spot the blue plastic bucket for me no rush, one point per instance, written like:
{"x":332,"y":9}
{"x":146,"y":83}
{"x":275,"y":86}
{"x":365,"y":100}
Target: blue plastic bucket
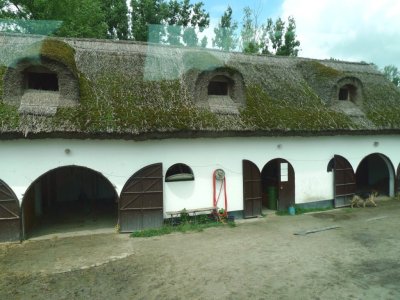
{"x":292,"y":210}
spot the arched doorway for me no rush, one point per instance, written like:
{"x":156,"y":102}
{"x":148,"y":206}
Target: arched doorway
{"x":141,"y":201}
{"x":70,"y":198}
{"x":10,"y":223}
{"x":278,"y":183}
{"x":376,"y":172}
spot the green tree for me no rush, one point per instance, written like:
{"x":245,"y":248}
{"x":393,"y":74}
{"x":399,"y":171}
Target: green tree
{"x":392,"y":73}
{"x":270,"y":38}
{"x":80,"y":18}
{"x":174,"y":22}
{"x":225,"y":34}
{"x":250,"y":32}
{"x":116,"y":17}
{"x":204,"y":42}
{"x":145,"y":13}
{"x":290,"y":45}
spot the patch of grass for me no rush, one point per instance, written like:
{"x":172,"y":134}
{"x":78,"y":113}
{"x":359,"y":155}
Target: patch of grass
{"x":301,"y":210}
{"x":282,"y":213}
{"x":308,"y":113}
{"x":321,"y":70}
{"x":153,"y":232}
{"x":183,"y":228}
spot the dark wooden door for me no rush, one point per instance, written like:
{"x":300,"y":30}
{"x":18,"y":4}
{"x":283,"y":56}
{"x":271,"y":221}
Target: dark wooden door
{"x":286,"y":184}
{"x":344,"y":181}
{"x":252,"y":197}
{"x":10,"y":223}
{"x":141,"y":201}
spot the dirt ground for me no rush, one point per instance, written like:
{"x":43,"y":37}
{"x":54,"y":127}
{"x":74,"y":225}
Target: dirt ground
{"x":258,"y":259}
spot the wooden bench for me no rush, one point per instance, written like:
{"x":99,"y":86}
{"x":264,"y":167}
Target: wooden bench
{"x":190,"y":212}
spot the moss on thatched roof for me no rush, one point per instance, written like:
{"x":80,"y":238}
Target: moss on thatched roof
{"x":136,"y":90}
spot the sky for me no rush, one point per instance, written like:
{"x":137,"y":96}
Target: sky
{"x":351,"y":30}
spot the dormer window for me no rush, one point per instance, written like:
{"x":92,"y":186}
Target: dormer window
{"x":218,"y":86}
{"x":347,"y":92}
{"x":41,"y":79}
{"x":220,"y":90}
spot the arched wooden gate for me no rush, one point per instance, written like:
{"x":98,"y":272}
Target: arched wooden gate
{"x":10,"y":223}
{"x":141,"y":201}
{"x":344,"y":181}
{"x":252,"y":198}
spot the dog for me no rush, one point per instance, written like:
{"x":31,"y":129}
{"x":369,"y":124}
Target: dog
{"x":365,"y":198}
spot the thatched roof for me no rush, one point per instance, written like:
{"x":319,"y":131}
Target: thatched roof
{"x":134,"y":90}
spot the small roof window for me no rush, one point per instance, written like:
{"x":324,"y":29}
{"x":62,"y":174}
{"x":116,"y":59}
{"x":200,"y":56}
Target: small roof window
{"x":179,"y":172}
{"x":41,"y":81}
{"x":219,"y":86}
{"x":347,"y":92}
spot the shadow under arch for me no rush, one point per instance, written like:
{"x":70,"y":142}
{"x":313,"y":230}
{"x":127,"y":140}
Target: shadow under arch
{"x":376,"y":172}
{"x":69,"y":198}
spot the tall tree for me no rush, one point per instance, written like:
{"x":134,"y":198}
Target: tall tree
{"x":269,"y":38}
{"x":174,"y":22}
{"x":80,"y":18}
{"x":225,"y":34}
{"x":392,"y":73}
{"x":116,"y":17}
{"x":144,"y":13}
{"x":284,"y":44}
{"x":250,"y":32}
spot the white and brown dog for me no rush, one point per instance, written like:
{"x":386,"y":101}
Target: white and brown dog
{"x":365,"y":198}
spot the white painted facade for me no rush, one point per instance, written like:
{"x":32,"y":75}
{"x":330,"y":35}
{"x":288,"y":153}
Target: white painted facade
{"x":24,"y":161}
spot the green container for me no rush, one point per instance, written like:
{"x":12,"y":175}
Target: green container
{"x":272,"y":197}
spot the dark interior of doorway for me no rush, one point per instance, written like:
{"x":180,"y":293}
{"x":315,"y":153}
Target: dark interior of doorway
{"x":373,"y":174}
{"x":270,"y":184}
{"x":69,"y":199}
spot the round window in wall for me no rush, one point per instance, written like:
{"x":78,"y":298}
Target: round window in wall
{"x":179,"y":172}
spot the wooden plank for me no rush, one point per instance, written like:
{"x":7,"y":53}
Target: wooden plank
{"x":196,"y":210}
{"x":144,"y":192}
{"x":141,"y":208}
{"x":305,"y":232}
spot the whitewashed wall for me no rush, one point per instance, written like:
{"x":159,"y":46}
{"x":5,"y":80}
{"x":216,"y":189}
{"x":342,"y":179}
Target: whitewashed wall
{"x":23,"y":161}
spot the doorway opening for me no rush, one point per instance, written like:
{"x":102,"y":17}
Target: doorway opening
{"x":376,"y":172}
{"x":278,"y":184}
{"x":69,"y":199}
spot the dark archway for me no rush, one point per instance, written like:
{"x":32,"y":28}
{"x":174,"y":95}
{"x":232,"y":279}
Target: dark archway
{"x":278,"y":184}
{"x":376,"y":172}
{"x":10,"y":223}
{"x":69,"y":198}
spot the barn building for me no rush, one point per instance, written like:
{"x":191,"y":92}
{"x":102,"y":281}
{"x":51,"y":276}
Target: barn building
{"x":125,"y":132}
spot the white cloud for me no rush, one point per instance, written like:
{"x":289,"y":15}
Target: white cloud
{"x":367,"y":30}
